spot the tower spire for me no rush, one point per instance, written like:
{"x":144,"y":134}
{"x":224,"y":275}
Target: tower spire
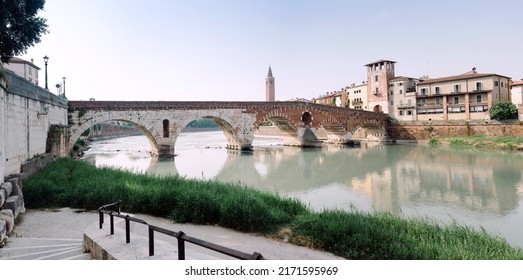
{"x":269,"y":86}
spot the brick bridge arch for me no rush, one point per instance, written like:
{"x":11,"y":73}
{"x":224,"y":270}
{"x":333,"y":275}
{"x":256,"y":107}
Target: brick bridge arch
{"x":162,"y":121}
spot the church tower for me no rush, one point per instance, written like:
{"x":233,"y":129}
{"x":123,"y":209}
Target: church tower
{"x":269,"y":87}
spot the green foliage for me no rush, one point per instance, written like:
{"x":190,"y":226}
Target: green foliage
{"x":21,"y":27}
{"x":434,"y":142}
{"x":354,"y":235}
{"x":181,"y":199}
{"x":503,"y":110}
{"x":202,"y":123}
{"x":358,"y":235}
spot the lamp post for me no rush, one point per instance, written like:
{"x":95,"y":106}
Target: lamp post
{"x":63,"y":89}
{"x":46,"y":59}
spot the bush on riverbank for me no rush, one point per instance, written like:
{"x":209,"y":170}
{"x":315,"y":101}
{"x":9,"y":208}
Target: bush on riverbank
{"x":483,"y":142}
{"x":354,"y":235}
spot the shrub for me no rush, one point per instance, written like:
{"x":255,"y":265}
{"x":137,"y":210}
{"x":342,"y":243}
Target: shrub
{"x":503,"y":110}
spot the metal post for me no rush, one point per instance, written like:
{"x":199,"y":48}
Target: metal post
{"x":101,"y":218}
{"x":63,"y":93}
{"x":127,"y":229}
{"x":112,"y":222}
{"x":181,"y":245}
{"x":151,"y":242}
{"x":46,"y":59}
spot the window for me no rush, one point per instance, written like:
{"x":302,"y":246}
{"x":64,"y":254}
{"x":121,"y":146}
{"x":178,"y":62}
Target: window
{"x":502,"y":84}
{"x":478,"y":98}
{"x":437,"y":90}
{"x":401,"y":91}
{"x":423,"y":91}
{"x":456,"y":99}
{"x":401,"y":113}
{"x":376,"y":78}
{"x":456,"y":88}
{"x":166,"y":128}
{"x":392,"y":103}
{"x":401,"y":84}
{"x":391,"y":92}
{"x":496,"y":83}
{"x":438,"y":100}
{"x":409,"y":113}
{"x":478,"y":86}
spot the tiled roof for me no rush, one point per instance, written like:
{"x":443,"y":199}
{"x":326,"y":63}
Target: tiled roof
{"x":380,"y":61}
{"x":402,"y":78}
{"x":517,"y":83}
{"x":458,"y":77}
{"x":18,"y":60}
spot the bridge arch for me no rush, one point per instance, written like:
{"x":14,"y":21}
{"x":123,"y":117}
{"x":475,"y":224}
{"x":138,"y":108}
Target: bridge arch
{"x":148,"y":130}
{"x":233,"y":131}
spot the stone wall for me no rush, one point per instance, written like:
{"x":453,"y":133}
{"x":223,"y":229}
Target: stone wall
{"x":28,"y":113}
{"x":29,"y":116}
{"x":426,"y":131}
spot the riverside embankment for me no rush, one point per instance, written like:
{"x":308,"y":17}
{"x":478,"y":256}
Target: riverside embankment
{"x":353,"y":235}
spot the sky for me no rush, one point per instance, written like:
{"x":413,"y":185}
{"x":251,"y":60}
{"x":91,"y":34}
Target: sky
{"x":209,"y":50}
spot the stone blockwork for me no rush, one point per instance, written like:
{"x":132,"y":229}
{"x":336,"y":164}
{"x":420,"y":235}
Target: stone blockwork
{"x":426,"y":131}
{"x":162,"y":122}
{"x":11,"y":205}
{"x":27,"y":113}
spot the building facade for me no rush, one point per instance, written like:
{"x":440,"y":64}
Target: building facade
{"x":270,"y":89}
{"x":464,"y":97}
{"x":516,"y":93}
{"x":402,"y":98}
{"x":357,"y":97}
{"x":23,"y":68}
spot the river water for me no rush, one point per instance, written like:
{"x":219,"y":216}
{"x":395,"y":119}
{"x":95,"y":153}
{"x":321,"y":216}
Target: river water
{"x":477,"y":188}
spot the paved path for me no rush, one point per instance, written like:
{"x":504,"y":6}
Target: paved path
{"x":62,"y":230}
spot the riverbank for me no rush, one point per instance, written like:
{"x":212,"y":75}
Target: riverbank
{"x":353,"y":235}
{"x":481,"y":142}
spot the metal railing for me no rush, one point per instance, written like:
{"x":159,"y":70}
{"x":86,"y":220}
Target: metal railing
{"x":180,"y":236}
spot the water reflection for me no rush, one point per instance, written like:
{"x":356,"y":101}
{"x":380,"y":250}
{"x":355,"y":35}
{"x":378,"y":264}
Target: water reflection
{"x":476,"y":188}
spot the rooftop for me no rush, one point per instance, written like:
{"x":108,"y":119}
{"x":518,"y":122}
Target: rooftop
{"x":17,"y":60}
{"x":379,"y":62}
{"x":468,"y":75}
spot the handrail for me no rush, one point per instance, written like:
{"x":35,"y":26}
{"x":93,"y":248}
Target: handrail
{"x":180,"y":236}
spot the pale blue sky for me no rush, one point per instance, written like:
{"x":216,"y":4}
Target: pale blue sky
{"x":221,"y":50}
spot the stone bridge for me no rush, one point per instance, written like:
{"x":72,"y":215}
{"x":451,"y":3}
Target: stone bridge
{"x":163,"y":121}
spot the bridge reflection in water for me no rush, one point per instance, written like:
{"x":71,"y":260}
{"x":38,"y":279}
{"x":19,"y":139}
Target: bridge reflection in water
{"x":476,"y":188}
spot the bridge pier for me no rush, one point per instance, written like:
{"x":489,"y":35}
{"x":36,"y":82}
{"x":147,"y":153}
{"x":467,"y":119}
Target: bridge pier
{"x":307,"y":138}
{"x":166,"y":151}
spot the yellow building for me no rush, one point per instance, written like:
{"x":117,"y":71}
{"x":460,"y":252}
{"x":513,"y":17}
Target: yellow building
{"x":357,"y":96}
{"x":464,"y":97}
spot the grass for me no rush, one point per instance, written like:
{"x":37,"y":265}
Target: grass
{"x":354,"y":235}
{"x":483,"y":142}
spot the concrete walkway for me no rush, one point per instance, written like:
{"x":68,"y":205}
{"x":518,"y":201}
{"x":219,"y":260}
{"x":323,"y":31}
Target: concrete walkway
{"x":69,"y":225}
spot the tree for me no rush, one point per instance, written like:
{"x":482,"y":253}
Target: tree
{"x":503,"y":110}
{"x":20,"y":27}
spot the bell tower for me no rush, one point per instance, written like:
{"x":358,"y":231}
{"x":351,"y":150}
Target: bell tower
{"x":269,"y":87}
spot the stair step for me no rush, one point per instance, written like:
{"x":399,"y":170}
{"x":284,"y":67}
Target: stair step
{"x":44,"y":249}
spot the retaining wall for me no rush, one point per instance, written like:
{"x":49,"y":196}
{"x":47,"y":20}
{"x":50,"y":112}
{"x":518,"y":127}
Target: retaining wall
{"x":29,"y":117}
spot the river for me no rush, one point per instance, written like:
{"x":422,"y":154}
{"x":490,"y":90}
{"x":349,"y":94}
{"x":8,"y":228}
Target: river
{"x":477,"y":188}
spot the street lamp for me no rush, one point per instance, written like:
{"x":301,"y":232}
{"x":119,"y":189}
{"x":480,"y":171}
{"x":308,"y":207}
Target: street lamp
{"x":63,"y":90}
{"x":46,"y":59}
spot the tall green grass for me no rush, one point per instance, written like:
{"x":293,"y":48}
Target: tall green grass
{"x":354,"y":235}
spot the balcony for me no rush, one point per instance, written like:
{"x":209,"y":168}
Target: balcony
{"x":406,"y":106}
